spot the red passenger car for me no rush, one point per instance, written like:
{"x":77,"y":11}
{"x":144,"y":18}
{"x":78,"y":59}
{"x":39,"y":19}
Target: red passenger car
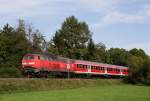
{"x":42,"y":64}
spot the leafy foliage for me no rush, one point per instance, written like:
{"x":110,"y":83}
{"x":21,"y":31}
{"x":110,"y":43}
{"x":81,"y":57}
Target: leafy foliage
{"x":13,"y":45}
{"x":12,"y":42}
{"x":71,"y":39}
{"x":118,"y":56}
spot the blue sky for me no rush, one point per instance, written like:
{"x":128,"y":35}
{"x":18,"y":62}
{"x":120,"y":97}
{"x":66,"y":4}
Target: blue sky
{"x":116,"y":23}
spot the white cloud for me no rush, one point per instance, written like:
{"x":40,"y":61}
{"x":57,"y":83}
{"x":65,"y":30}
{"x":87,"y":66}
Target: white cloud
{"x":23,"y":6}
{"x":116,"y":16}
{"x":7,"y":6}
{"x":139,"y":16}
{"x":99,"y":5}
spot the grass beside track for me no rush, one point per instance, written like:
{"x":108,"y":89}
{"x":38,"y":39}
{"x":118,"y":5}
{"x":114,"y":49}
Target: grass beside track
{"x":98,"y":93}
{"x":25,"y":84}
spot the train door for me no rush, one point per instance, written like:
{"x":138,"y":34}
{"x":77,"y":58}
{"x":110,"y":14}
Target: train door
{"x":89,"y":68}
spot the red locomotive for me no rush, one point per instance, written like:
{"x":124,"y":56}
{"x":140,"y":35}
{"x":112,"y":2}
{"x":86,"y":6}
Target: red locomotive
{"x":41,"y":64}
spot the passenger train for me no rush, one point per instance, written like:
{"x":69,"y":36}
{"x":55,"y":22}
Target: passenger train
{"x":42,"y":64}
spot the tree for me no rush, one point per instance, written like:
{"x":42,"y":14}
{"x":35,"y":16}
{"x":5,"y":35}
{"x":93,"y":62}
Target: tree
{"x":38,"y":41}
{"x":145,"y":71}
{"x":91,"y":48}
{"x":101,"y":52}
{"x":135,"y":64}
{"x":72,"y":38}
{"x":138,"y":64}
{"x":96,"y":52}
{"x":118,"y":56}
{"x":13,"y":45}
{"x":138,"y":52}
{"x":5,"y":43}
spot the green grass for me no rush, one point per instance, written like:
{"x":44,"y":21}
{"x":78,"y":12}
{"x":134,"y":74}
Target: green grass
{"x":24,"y":85}
{"x":98,"y":93}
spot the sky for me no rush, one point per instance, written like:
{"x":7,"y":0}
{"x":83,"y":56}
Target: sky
{"x":116,"y":23}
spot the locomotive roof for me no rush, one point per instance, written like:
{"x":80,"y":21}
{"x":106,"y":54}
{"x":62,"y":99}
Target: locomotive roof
{"x":54,"y":57}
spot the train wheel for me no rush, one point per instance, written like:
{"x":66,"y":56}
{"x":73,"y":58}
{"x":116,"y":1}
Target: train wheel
{"x":45,"y":74}
{"x":28,"y":75}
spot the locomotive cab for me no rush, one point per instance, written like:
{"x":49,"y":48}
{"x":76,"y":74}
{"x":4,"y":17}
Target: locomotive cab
{"x":28,"y":60}
{"x":29,"y":63}
{"x":34,"y":64}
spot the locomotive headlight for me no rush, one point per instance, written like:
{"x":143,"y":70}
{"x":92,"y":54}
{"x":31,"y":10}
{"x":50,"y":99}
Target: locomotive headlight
{"x":28,"y":63}
{"x":31,"y":63}
{"x":24,"y":63}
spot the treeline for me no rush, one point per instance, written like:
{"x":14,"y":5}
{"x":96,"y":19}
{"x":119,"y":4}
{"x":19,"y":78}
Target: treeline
{"x":72,"y":40}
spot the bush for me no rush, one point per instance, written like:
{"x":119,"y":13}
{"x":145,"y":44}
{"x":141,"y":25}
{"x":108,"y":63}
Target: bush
{"x":8,"y":72}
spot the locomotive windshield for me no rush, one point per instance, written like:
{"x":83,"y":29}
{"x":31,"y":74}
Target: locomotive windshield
{"x":28,"y":57}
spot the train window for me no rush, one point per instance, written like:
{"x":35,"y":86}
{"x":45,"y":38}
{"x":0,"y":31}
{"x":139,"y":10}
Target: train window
{"x":29,"y":57}
{"x":91,"y":67}
{"x":123,"y":70}
{"x":85,"y":66}
{"x":49,"y":58}
{"x":114,"y":69}
{"x":109,"y":69}
{"x":102,"y":68}
{"x":78,"y":65}
{"x":38,"y":57}
{"x":81,"y":66}
{"x":97,"y":67}
{"x":43,"y":57}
